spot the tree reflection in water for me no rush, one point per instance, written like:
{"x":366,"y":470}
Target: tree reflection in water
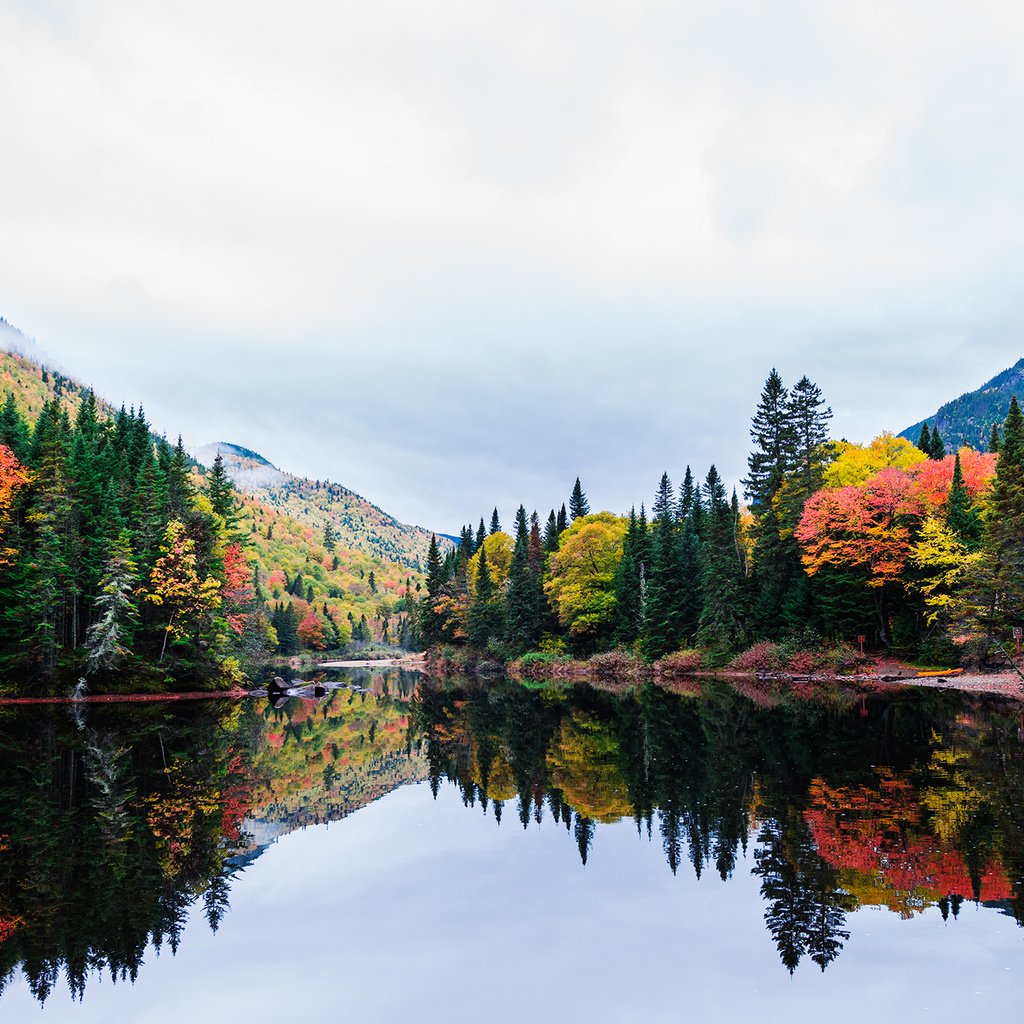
{"x":113,"y":827}
{"x":906,"y":800}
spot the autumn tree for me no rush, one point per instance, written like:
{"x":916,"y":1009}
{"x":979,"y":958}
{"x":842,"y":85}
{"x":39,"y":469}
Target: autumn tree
{"x":176,"y":587}
{"x":581,"y":583}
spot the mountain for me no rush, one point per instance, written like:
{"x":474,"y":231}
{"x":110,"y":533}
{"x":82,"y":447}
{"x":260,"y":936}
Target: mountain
{"x":12,"y":340}
{"x":969,"y":418}
{"x":357,"y":524}
{"x":359,"y":576}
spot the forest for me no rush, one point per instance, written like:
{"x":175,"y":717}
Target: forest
{"x":907,"y":548}
{"x":123,"y":562}
{"x":126,"y":565}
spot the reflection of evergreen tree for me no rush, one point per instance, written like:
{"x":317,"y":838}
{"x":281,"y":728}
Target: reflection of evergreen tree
{"x":806,"y":910}
{"x":88,"y":865}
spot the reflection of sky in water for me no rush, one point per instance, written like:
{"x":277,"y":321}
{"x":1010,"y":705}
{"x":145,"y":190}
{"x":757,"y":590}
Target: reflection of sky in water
{"x":420,"y":910}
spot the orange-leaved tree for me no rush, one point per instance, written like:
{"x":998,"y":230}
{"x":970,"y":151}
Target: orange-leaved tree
{"x":13,"y":476}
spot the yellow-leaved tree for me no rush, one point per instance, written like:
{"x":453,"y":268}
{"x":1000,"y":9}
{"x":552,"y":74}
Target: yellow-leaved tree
{"x":581,"y":576}
{"x":175,"y":585}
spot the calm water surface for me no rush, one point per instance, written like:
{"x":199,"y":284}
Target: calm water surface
{"x":453,"y":852}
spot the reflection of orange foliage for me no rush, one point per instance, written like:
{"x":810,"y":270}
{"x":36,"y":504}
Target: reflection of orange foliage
{"x":8,"y":926}
{"x":888,"y":857}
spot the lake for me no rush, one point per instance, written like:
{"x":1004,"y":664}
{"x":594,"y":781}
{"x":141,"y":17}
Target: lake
{"x":455,"y":850}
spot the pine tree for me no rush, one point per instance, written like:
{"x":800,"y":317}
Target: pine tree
{"x":774,"y":439}
{"x":994,"y":589}
{"x":330,"y":538}
{"x":938,"y":449}
{"x":631,"y":584}
{"x":962,"y":516}
{"x":108,"y":641}
{"x":495,"y":522}
{"x":562,"y":520}
{"x":485,"y":609}
{"x":14,"y":430}
{"x":924,"y":442}
{"x":994,"y":441}
{"x":722,"y":618}
{"x":551,"y":534}
{"x":662,"y":579}
{"x":578,"y":504}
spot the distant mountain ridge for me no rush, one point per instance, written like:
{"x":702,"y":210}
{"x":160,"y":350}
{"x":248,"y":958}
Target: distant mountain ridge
{"x":357,"y":523}
{"x":969,"y":418}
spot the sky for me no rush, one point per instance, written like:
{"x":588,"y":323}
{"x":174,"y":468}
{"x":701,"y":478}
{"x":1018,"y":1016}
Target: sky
{"x":453,"y":255}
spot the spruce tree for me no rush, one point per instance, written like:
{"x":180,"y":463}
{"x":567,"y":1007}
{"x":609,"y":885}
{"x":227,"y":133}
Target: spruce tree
{"x":722,"y":618}
{"x":495,"y":522}
{"x":663,"y":577}
{"x":774,"y":439}
{"x":14,"y":431}
{"x":993,"y":441}
{"x":485,"y":609}
{"x":924,"y":442}
{"x":962,"y":516}
{"x":481,"y":536}
{"x":578,"y":504}
{"x":562,"y":521}
{"x":938,"y":449}
{"x":109,"y":639}
{"x":996,"y":584}
{"x":551,"y":534}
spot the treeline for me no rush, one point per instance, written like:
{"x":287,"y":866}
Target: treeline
{"x":904,"y":545}
{"x":111,"y":559}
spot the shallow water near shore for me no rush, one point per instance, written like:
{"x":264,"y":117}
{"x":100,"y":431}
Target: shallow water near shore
{"x":415,"y":849}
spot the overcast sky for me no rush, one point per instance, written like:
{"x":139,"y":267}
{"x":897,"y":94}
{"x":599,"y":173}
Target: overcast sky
{"x":453,"y":254}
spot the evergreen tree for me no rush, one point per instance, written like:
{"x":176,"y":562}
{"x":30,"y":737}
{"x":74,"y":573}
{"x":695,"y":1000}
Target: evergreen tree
{"x":485,"y":609}
{"x":924,"y":442}
{"x":562,"y":520}
{"x":495,"y":522}
{"x":551,"y":534}
{"x":774,"y":439}
{"x":109,"y":639}
{"x":663,"y":578}
{"x":631,"y":584}
{"x":14,"y":430}
{"x":962,"y":516}
{"x":722,"y":618}
{"x":578,"y":504}
{"x":330,"y":538}
{"x":481,"y":536}
{"x":994,"y":441}
{"x":996,"y":584}
{"x":938,"y":449}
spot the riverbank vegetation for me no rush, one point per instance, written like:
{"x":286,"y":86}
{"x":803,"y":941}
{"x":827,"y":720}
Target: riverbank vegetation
{"x":905,"y":549}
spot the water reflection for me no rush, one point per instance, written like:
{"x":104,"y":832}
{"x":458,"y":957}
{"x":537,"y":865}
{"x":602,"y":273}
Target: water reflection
{"x":113,"y":827}
{"x":905,"y":801}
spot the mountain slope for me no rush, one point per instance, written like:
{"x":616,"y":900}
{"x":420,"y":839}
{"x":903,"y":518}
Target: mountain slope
{"x":969,"y":418}
{"x":357,"y":524}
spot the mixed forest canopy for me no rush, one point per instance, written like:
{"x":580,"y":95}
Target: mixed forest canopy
{"x":121,"y":558}
{"x":916,"y":549}
{"x":124,"y":562}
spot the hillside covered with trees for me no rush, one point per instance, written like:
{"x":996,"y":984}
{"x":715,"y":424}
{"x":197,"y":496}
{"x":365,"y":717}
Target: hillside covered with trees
{"x":121,"y":558}
{"x":971,"y":418}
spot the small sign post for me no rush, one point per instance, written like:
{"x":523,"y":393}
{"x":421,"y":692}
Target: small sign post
{"x":860,"y":640}
{"x":1018,"y":633}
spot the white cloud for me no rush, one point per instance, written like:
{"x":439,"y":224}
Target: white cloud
{"x":539,"y":239}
